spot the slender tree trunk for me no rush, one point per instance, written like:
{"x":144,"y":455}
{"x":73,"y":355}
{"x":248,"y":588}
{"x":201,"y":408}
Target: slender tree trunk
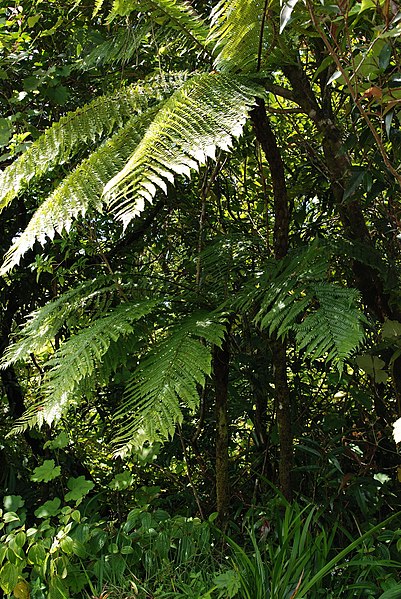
{"x":221,"y":361}
{"x":266,"y":138}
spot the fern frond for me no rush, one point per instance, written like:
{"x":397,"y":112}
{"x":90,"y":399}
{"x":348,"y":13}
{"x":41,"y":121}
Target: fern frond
{"x":176,"y":14}
{"x":235,"y":34}
{"x":56,"y":146}
{"x":78,"y":358}
{"x":79,"y":191}
{"x":205,"y":114}
{"x":116,"y":50}
{"x":92,"y":298}
{"x":168,"y":377}
{"x":334,"y":330}
{"x":295,"y":289}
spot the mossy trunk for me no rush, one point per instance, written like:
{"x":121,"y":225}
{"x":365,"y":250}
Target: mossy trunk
{"x":221,"y":364}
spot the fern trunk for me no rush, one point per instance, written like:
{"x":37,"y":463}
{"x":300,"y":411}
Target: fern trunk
{"x":221,"y":360}
{"x":266,"y":138}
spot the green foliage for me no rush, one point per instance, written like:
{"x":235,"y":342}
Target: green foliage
{"x":118,"y":49}
{"x":80,"y":356}
{"x":81,"y":190}
{"x":236,"y":28}
{"x":169,"y":375}
{"x":205,"y":114}
{"x":88,"y":124}
{"x":46,"y":472}
{"x":91,"y":297}
{"x":177,"y":14}
{"x":295,"y":559}
{"x":293,"y":296}
{"x":69,"y":553}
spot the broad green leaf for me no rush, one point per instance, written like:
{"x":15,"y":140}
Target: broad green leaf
{"x":121,"y":481}
{"x":21,"y":590}
{"x":48,"y":509}
{"x":58,"y":442}
{"x":373,"y":366}
{"x":36,"y":554}
{"x":79,"y":487}
{"x":8,"y":577}
{"x":391,"y":328}
{"x":13,"y":502}
{"x":46,"y":472}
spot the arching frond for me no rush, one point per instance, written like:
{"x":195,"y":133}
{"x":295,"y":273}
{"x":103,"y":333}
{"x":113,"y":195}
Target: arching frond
{"x":235,"y":34}
{"x":80,"y":190}
{"x":92,"y":298}
{"x":334,"y":330}
{"x":177,"y":14}
{"x":119,"y":49}
{"x":87,"y":125}
{"x":205,"y":114}
{"x":78,"y":358}
{"x":168,"y":377}
{"x":294,"y":296}
{"x":56,"y":146}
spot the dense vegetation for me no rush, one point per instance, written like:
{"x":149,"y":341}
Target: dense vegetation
{"x":201,"y":303}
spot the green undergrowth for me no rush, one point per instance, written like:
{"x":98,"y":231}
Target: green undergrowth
{"x":64,"y":549}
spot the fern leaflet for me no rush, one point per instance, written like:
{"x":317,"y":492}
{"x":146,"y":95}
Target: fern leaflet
{"x":235,"y":34}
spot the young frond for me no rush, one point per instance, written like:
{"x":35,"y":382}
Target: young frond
{"x":168,"y":377}
{"x":205,"y":114}
{"x":79,"y":357}
{"x":235,"y":34}
{"x":91,"y":298}
{"x":79,"y":191}
{"x":178,"y":15}
{"x":86,"y":125}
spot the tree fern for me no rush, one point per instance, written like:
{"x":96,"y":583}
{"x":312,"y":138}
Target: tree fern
{"x":79,"y":357}
{"x":167,"y":377}
{"x":235,"y":34}
{"x":176,"y":14}
{"x":205,"y":114}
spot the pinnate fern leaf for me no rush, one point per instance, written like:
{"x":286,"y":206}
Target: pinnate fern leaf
{"x":79,"y":357}
{"x":167,"y":377}
{"x":177,"y":14}
{"x":334,"y":330}
{"x":235,"y":34}
{"x":91,"y":298}
{"x":119,"y":49}
{"x":293,"y":295}
{"x":206,"y":113}
{"x":79,"y":191}
{"x":56,"y":146}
